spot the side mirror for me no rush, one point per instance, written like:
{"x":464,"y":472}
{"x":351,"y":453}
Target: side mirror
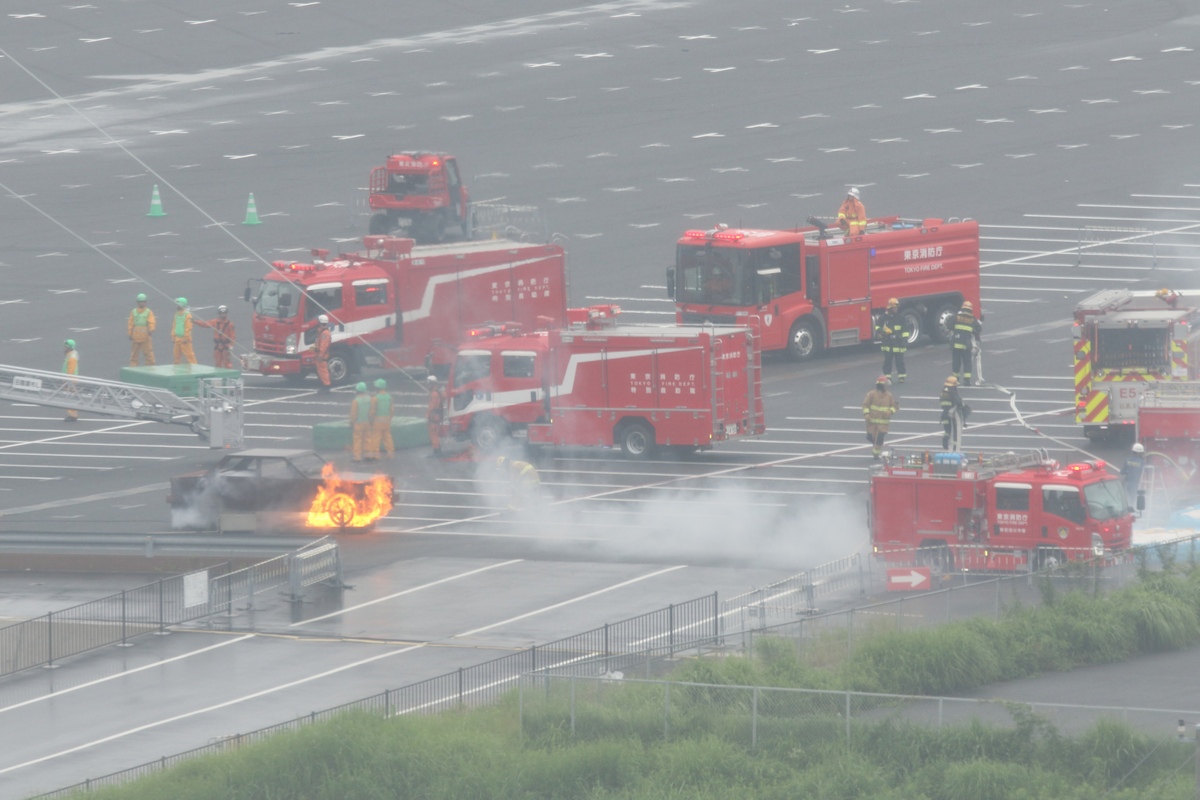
{"x":671,"y":282}
{"x":1141,"y":500}
{"x":246,"y":294}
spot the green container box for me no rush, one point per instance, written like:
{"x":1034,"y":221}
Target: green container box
{"x":178,"y":378}
{"x":406,"y":432}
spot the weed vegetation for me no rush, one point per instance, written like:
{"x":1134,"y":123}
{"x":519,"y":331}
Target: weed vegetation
{"x":612,"y":741}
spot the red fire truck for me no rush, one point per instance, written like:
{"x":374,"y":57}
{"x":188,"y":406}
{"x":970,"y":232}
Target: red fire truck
{"x":398,"y":306}
{"x":1008,"y":512}
{"x":599,"y":383}
{"x":808,"y":289}
{"x":422,"y":194}
{"x":1124,"y":342}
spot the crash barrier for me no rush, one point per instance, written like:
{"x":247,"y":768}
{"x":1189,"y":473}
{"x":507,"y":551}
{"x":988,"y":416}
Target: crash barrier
{"x":797,"y":595}
{"x":1092,"y":236}
{"x":664,"y":633}
{"x":754,"y":716}
{"x":498,"y":221}
{"x":337,"y":435}
{"x":117,"y":619}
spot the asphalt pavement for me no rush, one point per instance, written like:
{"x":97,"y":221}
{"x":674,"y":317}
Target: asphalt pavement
{"x":1068,"y":131}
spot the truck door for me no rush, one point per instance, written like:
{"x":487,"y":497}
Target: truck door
{"x":847,"y":295}
{"x":1063,"y":521}
{"x":322,"y":298}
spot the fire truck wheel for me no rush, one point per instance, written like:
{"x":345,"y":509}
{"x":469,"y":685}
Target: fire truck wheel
{"x":379,"y":225}
{"x":340,"y":368}
{"x":914,"y":323}
{"x":1049,"y":558}
{"x":804,"y":341}
{"x":487,"y":433}
{"x":941,"y":322}
{"x":636,"y":439}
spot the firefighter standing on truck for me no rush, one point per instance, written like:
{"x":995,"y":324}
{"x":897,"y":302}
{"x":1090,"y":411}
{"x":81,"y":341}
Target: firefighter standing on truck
{"x":181,"y":333}
{"x":852,"y":216}
{"x":360,"y":421}
{"x":435,"y":414}
{"x":893,"y":340}
{"x":70,"y":367}
{"x":381,"y":424}
{"x":224,"y":336}
{"x":954,"y":411}
{"x":324,"y":339}
{"x":878,"y":407}
{"x":967,"y":331}
{"x":141,"y":326}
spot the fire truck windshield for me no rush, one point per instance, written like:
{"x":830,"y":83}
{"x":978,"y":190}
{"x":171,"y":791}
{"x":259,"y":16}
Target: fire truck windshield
{"x":271,"y":301}
{"x":1105,"y":500}
{"x":729,"y":276}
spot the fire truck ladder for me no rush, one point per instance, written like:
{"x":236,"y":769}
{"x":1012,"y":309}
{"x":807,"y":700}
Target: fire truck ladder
{"x":215,"y":414}
{"x":984,"y":464}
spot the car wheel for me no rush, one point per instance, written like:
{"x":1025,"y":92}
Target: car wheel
{"x":636,"y":439}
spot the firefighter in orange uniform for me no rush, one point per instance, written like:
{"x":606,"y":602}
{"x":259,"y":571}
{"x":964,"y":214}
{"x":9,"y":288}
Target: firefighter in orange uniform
{"x":360,"y":421}
{"x":852,"y":217}
{"x":181,"y":333}
{"x":381,"y":424}
{"x":324,"y":339}
{"x":141,"y":326}
{"x":70,"y":367}
{"x":224,"y":337}
{"x":435,"y":414}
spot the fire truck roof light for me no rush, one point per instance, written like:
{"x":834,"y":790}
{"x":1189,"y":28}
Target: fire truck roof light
{"x":729,"y":236}
{"x":696,"y":234}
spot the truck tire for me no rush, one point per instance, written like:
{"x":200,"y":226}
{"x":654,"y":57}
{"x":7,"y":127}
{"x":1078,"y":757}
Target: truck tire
{"x":1049,"y":558}
{"x":488,"y":432}
{"x":635,"y":438}
{"x":804,"y":340}
{"x":941,"y":322}
{"x":915,"y":324}
{"x":380,"y":225}
{"x":341,"y":368}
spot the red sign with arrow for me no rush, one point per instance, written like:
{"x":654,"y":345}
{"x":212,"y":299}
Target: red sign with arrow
{"x":908,"y":579}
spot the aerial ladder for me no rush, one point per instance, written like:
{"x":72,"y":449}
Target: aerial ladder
{"x":215,"y":414}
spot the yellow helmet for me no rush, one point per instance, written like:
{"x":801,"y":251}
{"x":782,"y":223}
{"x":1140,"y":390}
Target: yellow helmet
{"x":967,"y":304}
{"x":952,"y":381}
{"x":893,"y":303}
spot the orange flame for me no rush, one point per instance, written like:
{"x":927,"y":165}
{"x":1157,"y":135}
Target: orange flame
{"x":347,"y":504}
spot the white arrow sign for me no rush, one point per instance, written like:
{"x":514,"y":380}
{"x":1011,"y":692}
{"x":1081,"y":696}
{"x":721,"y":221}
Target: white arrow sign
{"x":908,"y":579}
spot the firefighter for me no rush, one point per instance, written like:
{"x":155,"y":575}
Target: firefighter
{"x":967,"y":331}
{"x":141,"y":326}
{"x":954,"y":411}
{"x":324,"y":339}
{"x":852,"y":217}
{"x":893,"y":340}
{"x":360,"y":421}
{"x":381,"y":423}
{"x":181,"y":333}
{"x":523,"y":481}
{"x":70,"y":367}
{"x":878,"y":407}
{"x":224,"y":337}
{"x":1131,"y":473}
{"x":435,"y":414}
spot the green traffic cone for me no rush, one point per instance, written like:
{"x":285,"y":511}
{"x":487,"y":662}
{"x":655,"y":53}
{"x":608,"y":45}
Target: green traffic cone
{"x":156,"y":209}
{"x":252,"y":213}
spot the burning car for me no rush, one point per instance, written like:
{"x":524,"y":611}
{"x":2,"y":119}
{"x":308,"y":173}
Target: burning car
{"x":265,"y":489}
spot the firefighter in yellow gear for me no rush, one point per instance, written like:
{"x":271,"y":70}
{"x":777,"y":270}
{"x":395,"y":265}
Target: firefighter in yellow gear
{"x":878,"y":407}
{"x":893,"y":340}
{"x":523,"y":481}
{"x":181,"y":333}
{"x":141,"y":327}
{"x":381,"y":424}
{"x":967,"y":332}
{"x":852,"y":216}
{"x":954,"y":412}
{"x":70,"y":367}
{"x":435,"y":413}
{"x":360,"y":421}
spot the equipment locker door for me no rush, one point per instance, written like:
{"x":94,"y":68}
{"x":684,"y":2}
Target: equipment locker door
{"x":847,"y":295}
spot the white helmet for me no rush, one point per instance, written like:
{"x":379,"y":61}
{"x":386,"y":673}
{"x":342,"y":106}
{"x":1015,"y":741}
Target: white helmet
{"x":1138,"y":448}
{"x":323,"y":319}
{"x":432,"y":378}
{"x":853,"y":192}
{"x":222,"y":309}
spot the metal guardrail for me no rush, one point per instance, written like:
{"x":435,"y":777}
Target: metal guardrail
{"x":148,"y":544}
{"x":46,"y":640}
{"x":665,"y":632}
{"x":793,"y":596}
{"x":521,"y":223}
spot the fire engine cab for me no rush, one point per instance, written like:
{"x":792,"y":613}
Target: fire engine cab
{"x":808,"y":289}
{"x":423,"y":195}
{"x":1124,"y":342}
{"x":1005,"y":512}
{"x":398,"y":306}
{"x":603,"y":384}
